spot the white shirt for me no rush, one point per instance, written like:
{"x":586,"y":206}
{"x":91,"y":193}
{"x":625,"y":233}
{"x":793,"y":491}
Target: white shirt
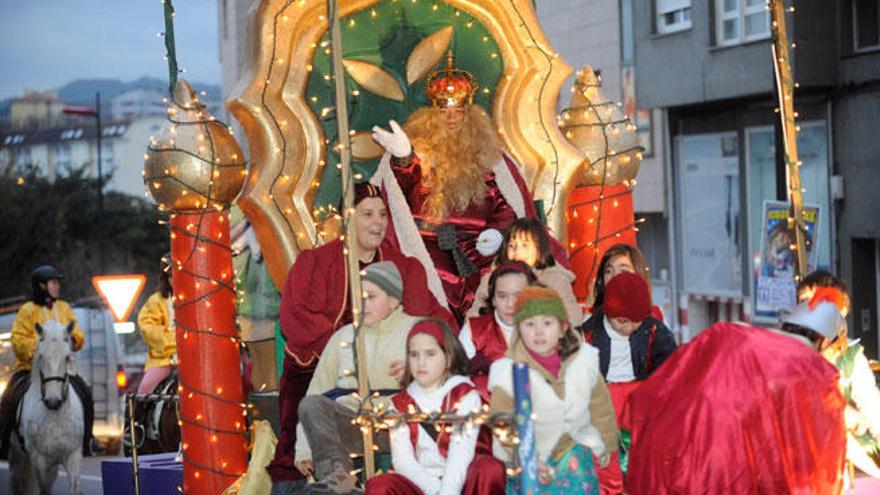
{"x":467,"y":341}
{"x":620,"y":366}
{"x":424,"y":465}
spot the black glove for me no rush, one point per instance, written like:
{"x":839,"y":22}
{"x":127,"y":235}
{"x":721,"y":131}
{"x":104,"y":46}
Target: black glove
{"x":447,"y":241}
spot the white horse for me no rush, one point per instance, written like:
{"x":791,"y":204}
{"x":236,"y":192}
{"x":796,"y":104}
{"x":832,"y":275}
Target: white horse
{"x":50,"y":430}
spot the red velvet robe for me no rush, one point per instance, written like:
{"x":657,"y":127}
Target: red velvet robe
{"x":738,"y":410}
{"x":487,"y":336}
{"x":315,"y":299}
{"x":492,"y":213}
{"x":491,"y":345}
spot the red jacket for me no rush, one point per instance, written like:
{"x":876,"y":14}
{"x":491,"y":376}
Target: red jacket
{"x":315,"y":302}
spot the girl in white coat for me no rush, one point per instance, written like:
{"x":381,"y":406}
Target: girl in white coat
{"x":573,"y":416}
{"x":438,"y":459}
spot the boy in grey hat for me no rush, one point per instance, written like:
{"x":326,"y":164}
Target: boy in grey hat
{"x":326,"y":435}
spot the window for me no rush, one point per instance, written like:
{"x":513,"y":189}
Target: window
{"x":627,"y":39}
{"x":762,"y":180}
{"x":708,"y":206}
{"x":740,"y":21}
{"x":106,"y":156}
{"x":673,"y":15}
{"x":23,"y":158}
{"x":866,"y":24}
{"x":62,"y":156}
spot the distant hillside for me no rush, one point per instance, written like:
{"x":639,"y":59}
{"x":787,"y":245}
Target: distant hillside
{"x":82,"y":91}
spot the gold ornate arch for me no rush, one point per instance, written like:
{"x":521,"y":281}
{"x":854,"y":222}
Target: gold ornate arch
{"x":286,"y":140}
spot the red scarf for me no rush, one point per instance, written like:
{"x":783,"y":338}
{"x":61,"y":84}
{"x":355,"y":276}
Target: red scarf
{"x":551,"y":363}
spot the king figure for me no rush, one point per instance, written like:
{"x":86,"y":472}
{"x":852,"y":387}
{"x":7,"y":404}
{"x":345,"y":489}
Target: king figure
{"x":452,"y":190}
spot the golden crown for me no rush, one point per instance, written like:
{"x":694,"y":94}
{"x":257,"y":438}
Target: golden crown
{"x":451,"y":87}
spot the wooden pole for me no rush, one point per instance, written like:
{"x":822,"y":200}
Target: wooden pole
{"x":785,"y":91}
{"x":349,"y":232}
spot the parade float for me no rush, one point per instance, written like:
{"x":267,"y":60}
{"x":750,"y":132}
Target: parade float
{"x":308,"y":136}
{"x":322,"y":75}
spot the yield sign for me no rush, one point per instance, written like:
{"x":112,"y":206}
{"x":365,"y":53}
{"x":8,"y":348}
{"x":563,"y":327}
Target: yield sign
{"x":119,"y":292}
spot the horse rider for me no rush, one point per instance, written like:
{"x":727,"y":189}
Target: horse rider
{"x":156,"y":323}
{"x":44,"y":305}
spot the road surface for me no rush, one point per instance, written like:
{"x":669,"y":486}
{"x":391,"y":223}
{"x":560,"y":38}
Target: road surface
{"x":90,"y":478}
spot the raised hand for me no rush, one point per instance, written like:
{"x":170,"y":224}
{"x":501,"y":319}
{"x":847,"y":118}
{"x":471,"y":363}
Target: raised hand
{"x":395,"y":142}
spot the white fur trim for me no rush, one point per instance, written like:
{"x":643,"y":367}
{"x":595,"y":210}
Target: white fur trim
{"x":507,"y":186}
{"x":489,"y":242}
{"x":408,"y":236}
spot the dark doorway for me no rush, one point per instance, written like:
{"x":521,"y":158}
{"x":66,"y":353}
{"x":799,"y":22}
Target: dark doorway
{"x":864,"y":294}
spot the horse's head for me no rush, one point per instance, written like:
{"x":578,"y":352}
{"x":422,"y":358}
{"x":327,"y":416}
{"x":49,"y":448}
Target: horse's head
{"x":53,"y":362}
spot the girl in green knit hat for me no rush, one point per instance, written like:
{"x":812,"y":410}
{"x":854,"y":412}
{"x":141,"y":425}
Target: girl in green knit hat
{"x":574,"y":420}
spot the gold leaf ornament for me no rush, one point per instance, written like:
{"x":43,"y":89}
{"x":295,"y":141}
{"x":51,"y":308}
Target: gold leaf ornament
{"x":427,"y":54}
{"x":364,"y":148}
{"x":374,"y":79}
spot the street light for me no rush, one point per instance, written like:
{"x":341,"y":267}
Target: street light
{"x":96,"y":113}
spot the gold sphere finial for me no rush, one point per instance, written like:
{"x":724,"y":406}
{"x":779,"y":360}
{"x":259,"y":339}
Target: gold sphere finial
{"x":195,"y":162}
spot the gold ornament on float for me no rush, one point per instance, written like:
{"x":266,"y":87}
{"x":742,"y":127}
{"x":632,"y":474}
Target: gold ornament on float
{"x":598,"y":127}
{"x":195,"y":161}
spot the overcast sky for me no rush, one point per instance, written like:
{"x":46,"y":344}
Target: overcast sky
{"x":47,"y":43}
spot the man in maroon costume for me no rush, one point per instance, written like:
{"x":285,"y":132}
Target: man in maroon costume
{"x":315,"y":303}
{"x":451,"y":188}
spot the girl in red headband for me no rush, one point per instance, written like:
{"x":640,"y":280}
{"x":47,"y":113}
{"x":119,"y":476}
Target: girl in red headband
{"x":438,"y":459}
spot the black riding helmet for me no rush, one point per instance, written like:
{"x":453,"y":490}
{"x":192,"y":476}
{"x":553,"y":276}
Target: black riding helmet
{"x":42,"y":275}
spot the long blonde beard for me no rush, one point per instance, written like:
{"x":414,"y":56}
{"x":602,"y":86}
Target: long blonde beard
{"x":454,"y":162}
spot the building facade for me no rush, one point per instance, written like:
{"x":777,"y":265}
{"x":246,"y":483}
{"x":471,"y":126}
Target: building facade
{"x":708,"y":67}
{"x":35,"y":109}
{"x":52,"y":150}
{"x":138,"y":103}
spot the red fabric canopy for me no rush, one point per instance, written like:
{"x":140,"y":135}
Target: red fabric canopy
{"x":738,"y":410}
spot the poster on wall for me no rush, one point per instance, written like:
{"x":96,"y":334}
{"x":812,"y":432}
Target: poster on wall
{"x":775,"y":285}
{"x":710,"y":215}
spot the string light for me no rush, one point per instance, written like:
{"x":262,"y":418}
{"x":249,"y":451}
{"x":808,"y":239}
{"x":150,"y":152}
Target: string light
{"x":195,"y":234}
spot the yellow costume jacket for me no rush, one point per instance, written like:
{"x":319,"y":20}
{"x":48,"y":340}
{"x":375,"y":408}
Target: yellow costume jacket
{"x":24,"y":330}
{"x":157,"y":330}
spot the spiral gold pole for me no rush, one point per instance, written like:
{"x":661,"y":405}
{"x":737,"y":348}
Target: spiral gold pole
{"x":350,"y":233}
{"x":785,"y":86}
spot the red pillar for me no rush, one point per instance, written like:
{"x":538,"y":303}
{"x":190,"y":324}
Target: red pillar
{"x":596,"y":217}
{"x":212,"y":405}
